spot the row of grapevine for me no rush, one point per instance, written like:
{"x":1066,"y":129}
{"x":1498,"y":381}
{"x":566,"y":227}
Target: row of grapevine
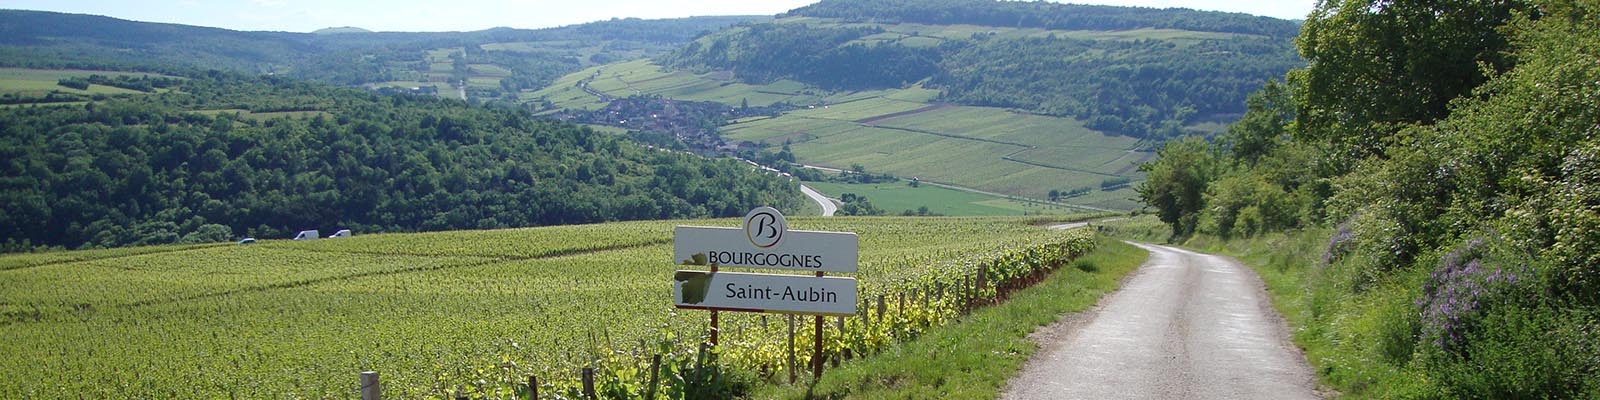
{"x":476,"y":311}
{"x":761,"y":344}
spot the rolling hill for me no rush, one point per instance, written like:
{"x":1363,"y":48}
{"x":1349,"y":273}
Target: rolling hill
{"x":495,"y":63}
{"x":1068,"y":100}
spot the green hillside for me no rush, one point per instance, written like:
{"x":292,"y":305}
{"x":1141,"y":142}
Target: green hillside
{"x":1131,"y":71}
{"x":433,"y":312}
{"x":216,"y":157}
{"x":897,"y":131}
{"x":1066,"y":101}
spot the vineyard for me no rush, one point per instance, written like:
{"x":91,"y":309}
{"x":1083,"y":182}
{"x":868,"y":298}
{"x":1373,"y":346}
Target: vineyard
{"x":471,"y":312}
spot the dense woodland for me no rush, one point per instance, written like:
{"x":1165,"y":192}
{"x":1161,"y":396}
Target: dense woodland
{"x":1453,"y":150}
{"x":150,"y":169}
{"x":1042,"y":14}
{"x":1148,"y":88}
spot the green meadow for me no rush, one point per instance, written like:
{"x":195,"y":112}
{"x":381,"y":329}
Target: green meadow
{"x":897,"y":197}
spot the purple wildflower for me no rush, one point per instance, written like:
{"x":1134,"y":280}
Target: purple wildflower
{"x":1339,"y":244}
{"x":1456,"y":292}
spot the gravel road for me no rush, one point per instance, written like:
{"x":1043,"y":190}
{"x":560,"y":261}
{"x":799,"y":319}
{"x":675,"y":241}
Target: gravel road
{"x":1184,"y":326}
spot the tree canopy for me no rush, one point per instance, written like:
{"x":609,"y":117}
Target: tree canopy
{"x":224,"y":156}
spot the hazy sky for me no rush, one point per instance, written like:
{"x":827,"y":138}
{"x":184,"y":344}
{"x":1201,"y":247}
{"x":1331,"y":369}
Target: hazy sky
{"x":469,"y":15}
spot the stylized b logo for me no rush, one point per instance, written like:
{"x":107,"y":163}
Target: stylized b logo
{"x":764,"y":226}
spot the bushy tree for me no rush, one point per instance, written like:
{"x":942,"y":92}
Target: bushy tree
{"x":1176,"y":182}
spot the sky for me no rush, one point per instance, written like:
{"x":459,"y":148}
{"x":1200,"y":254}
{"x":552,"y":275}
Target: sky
{"x":471,"y":15}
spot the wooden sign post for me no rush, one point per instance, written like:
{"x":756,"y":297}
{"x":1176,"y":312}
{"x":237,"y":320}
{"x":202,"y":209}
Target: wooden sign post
{"x":765,"y":241}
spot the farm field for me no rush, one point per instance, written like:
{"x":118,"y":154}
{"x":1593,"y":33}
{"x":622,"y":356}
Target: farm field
{"x":38,"y":82}
{"x":979,"y":147}
{"x":641,"y":77}
{"x":433,"y":312}
{"x":896,"y":197}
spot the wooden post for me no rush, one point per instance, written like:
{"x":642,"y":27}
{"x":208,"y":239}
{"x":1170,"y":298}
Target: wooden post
{"x":816,"y":369}
{"x":983,"y":282}
{"x":714,"y":329}
{"x":838,"y":323}
{"x":655,"y":370}
{"x":370,"y":388}
{"x":966,"y":294}
{"x":533,"y":387}
{"x":901,"y":310}
{"x":792,"y":366}
{"x":588,"y":383}
{"x":882,"y":309}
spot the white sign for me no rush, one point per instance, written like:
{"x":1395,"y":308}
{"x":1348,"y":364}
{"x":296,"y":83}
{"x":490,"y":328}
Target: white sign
{"x":765,"y":241}
{"x":794,"y":294}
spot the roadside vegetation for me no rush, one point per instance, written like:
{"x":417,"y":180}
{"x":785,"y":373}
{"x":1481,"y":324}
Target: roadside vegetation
{"x":1426,"y":220}
{"x":973,"y":357}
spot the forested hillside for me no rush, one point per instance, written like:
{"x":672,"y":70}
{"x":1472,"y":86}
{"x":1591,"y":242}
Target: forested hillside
{"x":218,"y":156}
{"x":1041,"y":14}
{"x":1140,"y":72}
{"x":1453,"y":152}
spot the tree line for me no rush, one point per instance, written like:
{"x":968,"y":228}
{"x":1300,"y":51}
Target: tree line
{"x":1042,"y":14}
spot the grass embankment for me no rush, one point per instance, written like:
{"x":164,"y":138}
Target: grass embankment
{"x":973,"y":358}
{"x":1287,"y":264}
{"x":1360,"y":331}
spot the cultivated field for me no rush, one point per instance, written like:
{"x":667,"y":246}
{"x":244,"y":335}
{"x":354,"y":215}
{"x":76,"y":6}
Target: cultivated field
{"x":38,"y":82}
{"x":641,"y":77}
{"x":897,"y":197}
{"x":433,"y":312}
{"x":980,"y":147}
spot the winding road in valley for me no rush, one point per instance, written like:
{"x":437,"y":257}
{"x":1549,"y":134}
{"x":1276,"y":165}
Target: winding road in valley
{"x":1185,"y":325}
{"x":828,"y":208}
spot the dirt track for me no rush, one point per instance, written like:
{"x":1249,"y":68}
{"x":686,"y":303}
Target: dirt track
{"x":1184,"y":326}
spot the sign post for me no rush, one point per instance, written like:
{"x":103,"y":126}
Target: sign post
{"x":764,"y":241}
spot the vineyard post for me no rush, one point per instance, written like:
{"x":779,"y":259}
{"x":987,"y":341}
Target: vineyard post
{"x":966,"y":294}
{"x":655,"y":370}
{"x":882,"y":309}
{"x":816,"y":359}
{"x":533,"y":387}
{"x":983,"y":279}
{"x":792,"y":349}
{"x":901,"y":309}
{"x":714,"y":328}
{"x":588,"y":383}
{"x":838,"y":323}
{"x":370,"y":388}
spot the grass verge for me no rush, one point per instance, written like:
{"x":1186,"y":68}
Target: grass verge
{"x":1348,"y":337}
{"x":973,"y":357}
